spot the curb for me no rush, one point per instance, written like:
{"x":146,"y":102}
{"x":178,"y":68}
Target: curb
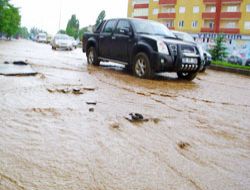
{"x":230,"y":70}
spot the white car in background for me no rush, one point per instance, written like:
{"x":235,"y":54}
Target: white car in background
{"x":62,"y":41}
{"x":41,"y":38}
{"x":74,"y":42}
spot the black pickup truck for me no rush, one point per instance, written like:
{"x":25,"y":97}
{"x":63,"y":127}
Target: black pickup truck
{"x":144,"y":47}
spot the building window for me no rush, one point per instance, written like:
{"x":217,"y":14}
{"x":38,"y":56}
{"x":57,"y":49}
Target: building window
{"x":196,"y":9}
{"x":140,"y":12}
{"x":168,"y":10}
{"x":213,"y":9}
{"x":232,"y":9}
{"x":195,"y":24}
{"x":182,"y":10}
{"x":155,"y":11}
{"x":140,"y":1}
{"x":211,"y":24}
{"x":231,"y":25}
{"x":169,"y":24}
{"x":248,"y":8}
{"x":181,"y":23}
{"x":247,"y":25}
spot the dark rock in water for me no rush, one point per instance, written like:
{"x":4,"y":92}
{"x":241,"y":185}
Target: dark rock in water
{"x":136,"y":116}
{"x":16,"y":69}
{"x":183,"y":145}
{"x":91,"y":103}
{"x":19,"y":63}
{"x":91,"y":110}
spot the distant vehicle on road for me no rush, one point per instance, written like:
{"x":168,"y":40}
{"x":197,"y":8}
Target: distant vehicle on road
{"x":74,"y":42}
{"x":143,"y":46}
{"x":41,"y":37}
{"x":247,"y":62}
{"x":235,"y":60}
{"x":49,"y":38}
{"x":62,"y":41}
{"x":206,"y":57}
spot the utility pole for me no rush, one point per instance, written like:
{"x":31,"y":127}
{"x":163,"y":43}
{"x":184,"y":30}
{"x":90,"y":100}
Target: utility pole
{"x":60,"y":15}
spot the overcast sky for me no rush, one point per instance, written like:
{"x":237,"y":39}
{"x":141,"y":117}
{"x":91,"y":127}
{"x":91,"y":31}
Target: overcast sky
{"x":45,"y":14}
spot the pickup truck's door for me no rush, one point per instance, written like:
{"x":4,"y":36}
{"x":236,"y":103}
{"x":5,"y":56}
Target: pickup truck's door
{"x":105,"y":39}
{"x":120,"y":41}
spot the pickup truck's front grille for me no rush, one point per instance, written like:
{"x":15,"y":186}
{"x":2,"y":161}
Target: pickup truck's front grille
{"x":190,"y":58}
{"x":189,"y":67}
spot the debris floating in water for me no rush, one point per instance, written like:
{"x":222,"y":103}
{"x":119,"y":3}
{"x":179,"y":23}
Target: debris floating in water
{"x":136,"y":117}
{"x":70,"y":90}
{"x":16,"y":68}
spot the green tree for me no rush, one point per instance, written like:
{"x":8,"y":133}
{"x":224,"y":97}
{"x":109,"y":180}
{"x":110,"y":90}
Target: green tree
{"x":219,"y":51}
{"x":73,"y":27}
{"x":9,"y":18}
{"x":61,"y":32}
{"x":3,"y":5}
{"x":35,"y":31}
{"x":23,"y":32}
{"x":82,"y":31}
{"x":100,"y":18}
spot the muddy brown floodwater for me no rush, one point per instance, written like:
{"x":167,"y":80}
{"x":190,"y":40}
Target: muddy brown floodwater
{"x":66,"y":128}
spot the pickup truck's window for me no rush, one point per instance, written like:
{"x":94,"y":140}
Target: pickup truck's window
{"x":151,"y":28}
{"x":121,"y":25}
{"x":99,"y":27}
{"x":109,"y":27}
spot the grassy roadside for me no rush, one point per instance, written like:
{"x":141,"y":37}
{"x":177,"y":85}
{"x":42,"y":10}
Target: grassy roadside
{"x":226,"y":64}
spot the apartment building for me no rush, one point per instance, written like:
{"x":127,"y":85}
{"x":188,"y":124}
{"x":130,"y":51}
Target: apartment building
{"x":196,"y":16}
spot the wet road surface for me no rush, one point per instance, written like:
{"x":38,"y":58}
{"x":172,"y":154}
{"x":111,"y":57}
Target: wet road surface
{"x":196,"y":135}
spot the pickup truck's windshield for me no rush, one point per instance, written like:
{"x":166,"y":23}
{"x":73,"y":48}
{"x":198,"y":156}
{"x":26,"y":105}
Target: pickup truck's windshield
{"x":152,"y":28}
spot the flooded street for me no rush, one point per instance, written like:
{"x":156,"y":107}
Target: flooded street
{"x":53,"y":137}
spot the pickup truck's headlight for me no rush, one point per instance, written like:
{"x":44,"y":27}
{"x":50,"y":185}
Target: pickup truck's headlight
{"x":162,"y":48}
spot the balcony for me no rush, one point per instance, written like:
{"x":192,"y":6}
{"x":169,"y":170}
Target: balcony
{"x":230,"y":30}
{"x":140,"y":6}
{"x":167,"y":2}
{"x":141,"y":17}
{"x":167,"y":15}
{"x":208,"y":30}
{"x":230,"y":15}
{"x":231,"y":1}
{"x":209,"y":1}
{"x":171,"y":28}
{"x":208,"y":15}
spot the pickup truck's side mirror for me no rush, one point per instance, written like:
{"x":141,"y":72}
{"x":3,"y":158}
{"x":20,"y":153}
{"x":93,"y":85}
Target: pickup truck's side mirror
{"x":124,"y":31}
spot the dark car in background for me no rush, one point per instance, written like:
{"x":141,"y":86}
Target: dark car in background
{"x":247,"y":62}
{"x":235,"y":60}
{"x":144,"y":47}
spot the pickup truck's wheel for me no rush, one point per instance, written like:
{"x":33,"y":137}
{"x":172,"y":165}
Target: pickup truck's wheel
{"x":92,"y":57}
{"x":187,"y":75}
{"x":141,"y":66}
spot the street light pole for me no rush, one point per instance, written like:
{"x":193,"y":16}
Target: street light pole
{"x":60,"y":15}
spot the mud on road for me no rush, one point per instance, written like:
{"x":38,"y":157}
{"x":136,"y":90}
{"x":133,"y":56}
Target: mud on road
{"x":66,"y":128}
